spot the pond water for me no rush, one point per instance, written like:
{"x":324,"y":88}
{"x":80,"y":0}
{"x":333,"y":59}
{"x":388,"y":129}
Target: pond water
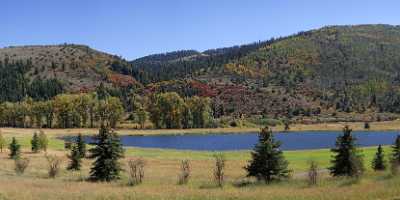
{"x":300,"y":140}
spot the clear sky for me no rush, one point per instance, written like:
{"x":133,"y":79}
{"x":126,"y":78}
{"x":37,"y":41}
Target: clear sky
{"x":135,"y":28}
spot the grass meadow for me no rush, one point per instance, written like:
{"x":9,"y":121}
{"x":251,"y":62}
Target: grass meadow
{"x":161,"y":176}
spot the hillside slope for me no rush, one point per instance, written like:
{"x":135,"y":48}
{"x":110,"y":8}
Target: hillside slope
{"x":335,"y":68}
{"x":77,"y":67}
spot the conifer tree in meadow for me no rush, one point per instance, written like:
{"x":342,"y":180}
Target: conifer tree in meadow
{"x":268,"y":163}
{"x":81,"y":146}
{"x":396,"y":150}
{"x":107,"y":152}
{"x":14,"y":149}
{"x":395,"y":157}
{"x":75,"y":158}
{"x":378,"y":163}
{"x":35,"y":143}
{"x":347,"y":160}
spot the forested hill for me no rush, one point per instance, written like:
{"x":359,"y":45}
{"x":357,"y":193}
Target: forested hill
{"x":186,"y":63}
{"x":365,"y":45}
{"x":345,"y":68}
{"x":335,"y":70}
{"x":50,"y":69}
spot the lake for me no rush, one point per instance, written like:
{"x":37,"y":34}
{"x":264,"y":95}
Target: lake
{"x":300,"y":140}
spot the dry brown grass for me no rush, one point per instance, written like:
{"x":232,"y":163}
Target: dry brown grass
{"x":161,"y":183}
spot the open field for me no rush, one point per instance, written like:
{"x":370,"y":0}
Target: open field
{"x":162,"y":169}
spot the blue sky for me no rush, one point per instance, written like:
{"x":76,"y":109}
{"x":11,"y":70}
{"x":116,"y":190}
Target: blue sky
{"x":135,"y":28}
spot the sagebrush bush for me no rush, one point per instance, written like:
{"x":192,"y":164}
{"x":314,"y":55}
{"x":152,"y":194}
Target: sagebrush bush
{"x":136,"y":171}
{"x":185,"y":172}
{"x":54,"y":163}
{"x":219,"y":170}
{"x":313,"y":173}
{"x":43,"y":141}
{"x":394,"y":168}
{"x":20,"y":165}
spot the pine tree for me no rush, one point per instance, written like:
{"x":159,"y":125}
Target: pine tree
{"x":347,"y":161}
{"x":107,"y":151}
{"x":396,"y":150}
{"x":75,"y":158}
{"x":379,"y":160}
{"x":14,"y":149}
{"x":81,"y":145}
{"x":268,"y":162}
{"x":35,"y":144}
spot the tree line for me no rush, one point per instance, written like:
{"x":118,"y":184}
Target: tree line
{"x":164,"y":110}
{"x":169,"y":110}
{"x":63,"y":111}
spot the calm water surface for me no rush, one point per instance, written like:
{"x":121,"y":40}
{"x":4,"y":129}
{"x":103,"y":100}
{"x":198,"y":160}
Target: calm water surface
{"x":301,"y":140}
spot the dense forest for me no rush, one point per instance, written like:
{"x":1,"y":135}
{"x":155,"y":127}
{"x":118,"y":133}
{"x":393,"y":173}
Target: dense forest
{"x":15,"y":86}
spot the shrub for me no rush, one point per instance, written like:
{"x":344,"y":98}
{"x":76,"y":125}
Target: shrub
{"x":286,"y":124}
{"x":136,"y":171}
{"x":54,"y":163}
{"x":366,"y":125}
{"x":20,"y":165}
{"x":2,"y":142}
{"x":67,"y":145}
{"x":43,"y":141}
{"x":185,"y":172}
{"x":313,"y":173}
{"x":394,"y":167}
{"x":219,"y":174}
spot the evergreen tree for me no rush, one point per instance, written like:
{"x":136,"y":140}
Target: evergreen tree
{"x":268,"y":162}
{"x":101,"y":92}
{"x":81,"y":145}
{"x":107,"y":152}
{"x":14,"y":149}
{"x":35,"y":144}
{"x":142,"y":117}
{"x":379,"y":160}
{"x":396,"y":150}
{"x":347,"y":161}
{"x":75,"y":158}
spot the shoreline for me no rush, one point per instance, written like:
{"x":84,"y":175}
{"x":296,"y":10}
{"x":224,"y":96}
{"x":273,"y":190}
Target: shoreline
{"x":338,"y":126}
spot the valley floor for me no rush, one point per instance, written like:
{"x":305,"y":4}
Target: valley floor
{"x":163,"y":166}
